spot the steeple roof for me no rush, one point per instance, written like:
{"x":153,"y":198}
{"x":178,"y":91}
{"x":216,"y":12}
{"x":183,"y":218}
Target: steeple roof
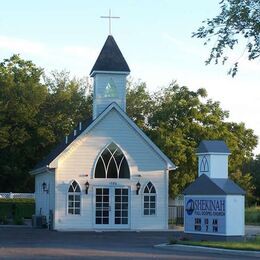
{"x":213,"y":146}
{"x":110,"y":58}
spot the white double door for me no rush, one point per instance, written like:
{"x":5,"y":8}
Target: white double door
{"x":112,"y":207}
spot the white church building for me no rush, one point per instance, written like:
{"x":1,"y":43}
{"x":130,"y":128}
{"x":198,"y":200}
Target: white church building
{"x":107,"y":174}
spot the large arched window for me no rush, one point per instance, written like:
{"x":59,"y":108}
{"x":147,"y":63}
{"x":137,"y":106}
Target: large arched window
{"x":74,"y":194}
{"x":149,"y":199}
{"x":204,"y":165}
{"x":112,"y":164}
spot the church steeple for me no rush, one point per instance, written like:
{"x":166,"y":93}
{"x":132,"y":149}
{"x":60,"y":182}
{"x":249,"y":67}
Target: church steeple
{"x":110,"y":59}
{"x":109,"y":72}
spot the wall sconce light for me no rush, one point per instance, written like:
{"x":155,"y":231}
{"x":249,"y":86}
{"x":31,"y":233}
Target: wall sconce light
{"x":138,"y":186}
{"x":87,"y":186}
{"x":45,"y":187}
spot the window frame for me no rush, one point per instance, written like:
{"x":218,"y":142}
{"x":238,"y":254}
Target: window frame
{"x":74,"y":193}
{"x":149,"y":195}
{"x":112,"y":157}
{"x":111,"y":90}
{"x":204,"y":164}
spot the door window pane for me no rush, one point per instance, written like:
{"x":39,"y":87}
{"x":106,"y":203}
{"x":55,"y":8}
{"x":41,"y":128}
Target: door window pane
{"x":121,"y":206}
{"x":98,"y":220}
{"x":125,"y":191}
{"x":105,"y":221}
{"x":102,"y":206}
{"x":125,"y":199}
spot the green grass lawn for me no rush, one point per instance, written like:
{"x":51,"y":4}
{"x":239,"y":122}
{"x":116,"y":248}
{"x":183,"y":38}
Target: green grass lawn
{"x":249,"y":244}
{"x":252,"y":216}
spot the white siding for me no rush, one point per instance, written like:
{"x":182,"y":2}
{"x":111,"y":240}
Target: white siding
{"x":44,"y":201}
{"x":218,"y":165}
{"x":158,"y":221}
{"x":235,"y":218}
{"x":80,"y":160}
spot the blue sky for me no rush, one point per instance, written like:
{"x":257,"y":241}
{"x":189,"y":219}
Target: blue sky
{"x":154,"y":37}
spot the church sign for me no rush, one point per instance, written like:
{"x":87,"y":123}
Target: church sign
{"x":204,"y":214}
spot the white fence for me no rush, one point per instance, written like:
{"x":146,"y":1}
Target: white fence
{"x":176,"y":215}
{"x":176,"y":210}
{"x":11,"y":195}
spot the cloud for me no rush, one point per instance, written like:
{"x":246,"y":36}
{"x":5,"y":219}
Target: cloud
{"x":17,"y":45}
{"x":81,"y":52}
{"x":24,"y":46}
{"x":48,"y":56}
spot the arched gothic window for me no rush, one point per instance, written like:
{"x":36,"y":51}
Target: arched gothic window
{"x":204,"y":165}
{"x":112,"y":164}
{"x":111,"y":90}
{"x":74,"y":197}
{"x":149,"y":199}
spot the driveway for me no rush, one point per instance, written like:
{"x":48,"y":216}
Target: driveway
{"x":29,"y":243}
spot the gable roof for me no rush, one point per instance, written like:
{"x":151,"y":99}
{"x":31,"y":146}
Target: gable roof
{"x":110,"y":58}
{"x":61,"y":146}
{"x":56,"y":152}
{"x":207,"y":186}
{"x":213,"y":146}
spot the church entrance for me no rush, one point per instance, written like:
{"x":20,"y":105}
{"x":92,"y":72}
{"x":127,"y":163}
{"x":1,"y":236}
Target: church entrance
{"x":112,"y":207}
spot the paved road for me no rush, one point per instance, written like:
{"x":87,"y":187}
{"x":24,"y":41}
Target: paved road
{"x":28,"y":243}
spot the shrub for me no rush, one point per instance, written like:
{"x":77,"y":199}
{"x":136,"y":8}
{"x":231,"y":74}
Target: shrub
{"x":4,"y":220}
{"x":11,"y":207}
{"x":252,"y":215}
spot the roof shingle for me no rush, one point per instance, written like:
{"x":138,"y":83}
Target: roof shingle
{"x":110,"y":58}
{"x":61,"y":146}
{"x":213,"y":146}
{"x":207,"y":186}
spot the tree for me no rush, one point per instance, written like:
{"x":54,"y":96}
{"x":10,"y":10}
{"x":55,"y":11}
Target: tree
{"x":139,"y":103}
{"x":68,"y":102}
{"x":21,"y":96}
{"x":36,"y":112}
{"x":245,"y":181}
{"x":181,"y":119}
{"x":253,"y":166}
{"x":238,"y":19}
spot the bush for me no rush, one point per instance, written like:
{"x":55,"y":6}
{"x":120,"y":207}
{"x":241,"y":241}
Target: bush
{"x":4,"y":220}
{"x":17,"y":208}
{"x":252,"y":215}
{"x":18,"y":220}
